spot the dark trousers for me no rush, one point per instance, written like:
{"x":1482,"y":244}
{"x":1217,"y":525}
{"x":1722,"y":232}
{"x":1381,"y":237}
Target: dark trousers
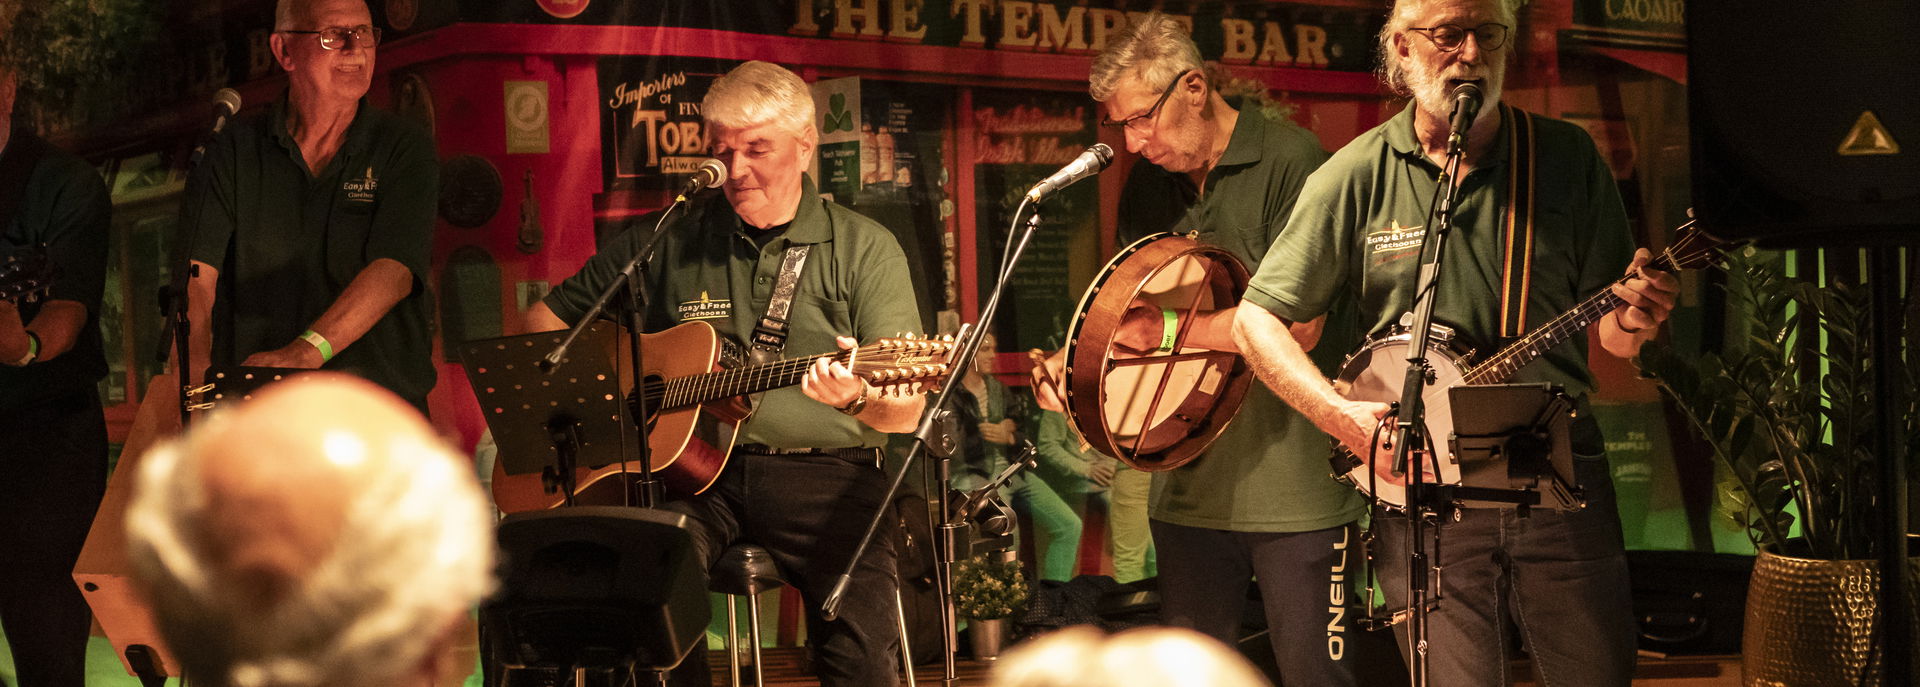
{"x":809,"y":511}
{"x":53,"y":471}
{"x":1303,"y":579}
{"x":1560,"y":577}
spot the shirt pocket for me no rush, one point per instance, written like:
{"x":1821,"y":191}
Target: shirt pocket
{"x":814,"y":321}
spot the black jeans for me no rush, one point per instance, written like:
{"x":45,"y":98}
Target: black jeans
{"x":1561,"y":577}
{"x":1303,"y":579}
{"x":809,"y":511}
{"x":53,"y":471}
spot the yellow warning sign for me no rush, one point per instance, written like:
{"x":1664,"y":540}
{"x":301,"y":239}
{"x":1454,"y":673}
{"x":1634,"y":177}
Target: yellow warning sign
{"x":1868,"y":137}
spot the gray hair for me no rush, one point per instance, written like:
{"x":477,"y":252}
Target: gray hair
{"x":415,"y":551}
{"x":757,"y":93}
{"x":283,"y":18}
{"x":1153,"y":50}
{"x":1401,"y":17}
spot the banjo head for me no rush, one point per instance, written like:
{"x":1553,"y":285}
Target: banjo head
{"x":1377,"y":372}
{"x":1159,"y":410}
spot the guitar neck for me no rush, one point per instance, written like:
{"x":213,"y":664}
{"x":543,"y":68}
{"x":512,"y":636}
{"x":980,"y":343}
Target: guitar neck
{"x":1502,"y":365}
{"x":691,"y":390}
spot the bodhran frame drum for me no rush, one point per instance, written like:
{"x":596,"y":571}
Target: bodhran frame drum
{"x":1159,"y":410}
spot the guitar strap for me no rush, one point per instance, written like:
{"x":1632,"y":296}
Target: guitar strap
{"x":770,"y":333}
{"x":1517,"y":242}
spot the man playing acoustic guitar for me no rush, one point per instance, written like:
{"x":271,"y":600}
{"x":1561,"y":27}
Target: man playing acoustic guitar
{"x":804,"y":482}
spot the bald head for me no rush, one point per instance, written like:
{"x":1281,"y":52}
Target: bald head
{"x":319,"y":534}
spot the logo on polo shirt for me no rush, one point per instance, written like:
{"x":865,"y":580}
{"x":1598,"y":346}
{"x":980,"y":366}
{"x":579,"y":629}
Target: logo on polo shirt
{"x":360,"y":189}
{"x":1387,"y":242}
{"x":705,"y":308}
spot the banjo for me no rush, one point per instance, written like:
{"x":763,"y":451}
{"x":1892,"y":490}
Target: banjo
{"x":1377,"y":372}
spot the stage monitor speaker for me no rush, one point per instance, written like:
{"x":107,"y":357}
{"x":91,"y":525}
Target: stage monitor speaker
{"x":1805,"y":120}
{"x":103,"y":572}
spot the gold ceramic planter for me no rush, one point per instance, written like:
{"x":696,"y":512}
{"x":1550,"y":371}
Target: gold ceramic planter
{"x":1810,"y":622}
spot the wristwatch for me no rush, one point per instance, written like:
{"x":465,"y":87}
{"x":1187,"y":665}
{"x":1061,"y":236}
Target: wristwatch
{"x":856,"y":405}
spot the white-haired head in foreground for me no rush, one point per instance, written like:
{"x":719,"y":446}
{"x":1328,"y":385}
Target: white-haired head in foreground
{"x":1157,"y":656}
{"x":320,"y":534}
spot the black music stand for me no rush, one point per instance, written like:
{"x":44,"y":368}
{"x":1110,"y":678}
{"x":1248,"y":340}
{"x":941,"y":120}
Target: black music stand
{"x":549,"y":424}
{"x":1514,"y":446}
{"x":594,"y":591}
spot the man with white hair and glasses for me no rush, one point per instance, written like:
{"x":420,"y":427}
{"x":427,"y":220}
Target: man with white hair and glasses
{"x":320,"y":535}
{"x":1560,"y":577}
{"x":804,"y":480}
{"x":312,"y":223}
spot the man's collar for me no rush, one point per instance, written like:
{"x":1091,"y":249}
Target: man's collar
{"x":1401,"y":137}
{"x":809,"y":223}
{"x":356,"y":140}
{"x":1243,"y":146}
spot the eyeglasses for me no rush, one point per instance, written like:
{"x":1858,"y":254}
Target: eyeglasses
{"x":335,"y":37}
{"x":1141,"y":121}
{"x":1449,"y":37}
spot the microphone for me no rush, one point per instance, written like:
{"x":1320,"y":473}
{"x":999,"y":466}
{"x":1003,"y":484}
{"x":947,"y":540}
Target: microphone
{"x":1088,"y":164}
{"x":1466,"y":107}
{"x":226,"y":103}
{"x":710,"y":174}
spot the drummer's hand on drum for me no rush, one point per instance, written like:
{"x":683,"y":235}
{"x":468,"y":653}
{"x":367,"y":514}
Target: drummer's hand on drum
{"x":1354,"y":424}
{"x":1141,"y":328}
{"x":1049,"y":374}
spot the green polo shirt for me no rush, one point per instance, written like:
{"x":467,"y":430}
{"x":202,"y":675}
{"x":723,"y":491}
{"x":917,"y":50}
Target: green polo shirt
{"x":64,"y":206}
{"x":287,"y":240}
{"x":1358,"y":227}
{"x":711,"y":267}
{"x":1268,"y":470}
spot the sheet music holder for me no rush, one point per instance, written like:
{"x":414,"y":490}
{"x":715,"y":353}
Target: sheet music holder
{"x":1514,"y":437}
{"x":549,"y":424}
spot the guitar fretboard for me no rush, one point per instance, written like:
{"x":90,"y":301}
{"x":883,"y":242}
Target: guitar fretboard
{"x":690,"y":390}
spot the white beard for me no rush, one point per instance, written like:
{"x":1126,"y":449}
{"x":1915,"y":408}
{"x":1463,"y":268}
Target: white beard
{"x":1431,"y":93}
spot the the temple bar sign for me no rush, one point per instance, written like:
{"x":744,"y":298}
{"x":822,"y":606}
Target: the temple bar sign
{"x":1262,"y":34}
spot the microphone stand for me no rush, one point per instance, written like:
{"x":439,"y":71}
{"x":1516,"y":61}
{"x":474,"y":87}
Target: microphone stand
{"x":650,"y":491}
{"x":927,"y":440}
{"x":1411,"y":419}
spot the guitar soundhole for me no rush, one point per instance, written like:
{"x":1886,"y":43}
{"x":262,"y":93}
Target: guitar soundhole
{"x":651,"y":413}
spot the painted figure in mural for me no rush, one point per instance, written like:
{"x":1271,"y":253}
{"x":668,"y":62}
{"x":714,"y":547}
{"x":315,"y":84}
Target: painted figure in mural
{"x":320,"y":535}
{"x":311,"y":223}
{"x":1560,"y":576}
{"x":804,"y":479}
{"x":53,"y":436}
{"x":1259,"y":506}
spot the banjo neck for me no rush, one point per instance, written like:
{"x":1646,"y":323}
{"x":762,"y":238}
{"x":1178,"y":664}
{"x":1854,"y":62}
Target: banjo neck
{"x":1501,"y":366}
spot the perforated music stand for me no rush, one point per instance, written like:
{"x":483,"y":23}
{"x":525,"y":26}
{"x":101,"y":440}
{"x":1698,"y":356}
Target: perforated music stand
{"x":1514,"y":438}
{"x":548,"y":423}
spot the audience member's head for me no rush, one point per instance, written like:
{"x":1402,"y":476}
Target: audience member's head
{"x":1157,"y":656}
{"x":320,"y":534}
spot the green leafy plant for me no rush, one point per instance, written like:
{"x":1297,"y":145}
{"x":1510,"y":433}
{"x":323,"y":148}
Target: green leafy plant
{"x":985,"y":589}
{"x":1788,"y":409}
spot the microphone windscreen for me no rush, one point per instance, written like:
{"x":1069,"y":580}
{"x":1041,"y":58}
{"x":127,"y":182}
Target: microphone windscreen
{"x":227,"y":98}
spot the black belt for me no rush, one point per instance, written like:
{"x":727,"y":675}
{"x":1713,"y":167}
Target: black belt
{"x":855,"y":454}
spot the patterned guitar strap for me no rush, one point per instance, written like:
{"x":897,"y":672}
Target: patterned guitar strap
{"x":770,"y":333}
{"x":1517,"y":239}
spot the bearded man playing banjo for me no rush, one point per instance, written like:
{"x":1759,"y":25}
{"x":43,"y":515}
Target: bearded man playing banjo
{"x":1355,"y":233}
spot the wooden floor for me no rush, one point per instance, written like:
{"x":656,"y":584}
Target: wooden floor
{"x":785,"y":667}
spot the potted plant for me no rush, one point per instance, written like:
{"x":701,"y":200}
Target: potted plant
{"x":986,"y":592}
{"x":1788,"y":410}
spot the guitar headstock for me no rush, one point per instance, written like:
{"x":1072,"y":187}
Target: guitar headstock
{"x":1691,"y":249}
{"x":903,"y":361}
{"x":25,"y":276}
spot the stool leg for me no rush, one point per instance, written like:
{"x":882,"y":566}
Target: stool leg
{"x":753,"y":617}
{"x":906,"y":652}
{"x":733,"y":643}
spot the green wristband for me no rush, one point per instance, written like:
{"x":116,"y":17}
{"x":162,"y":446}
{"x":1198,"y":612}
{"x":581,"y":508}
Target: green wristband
{"x":1170,"y":329}
{"x":319,"y":342}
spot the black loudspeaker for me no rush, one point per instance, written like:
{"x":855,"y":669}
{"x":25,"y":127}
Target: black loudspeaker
{"x":1689,"y":602}
{"x":1805,"y":120}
